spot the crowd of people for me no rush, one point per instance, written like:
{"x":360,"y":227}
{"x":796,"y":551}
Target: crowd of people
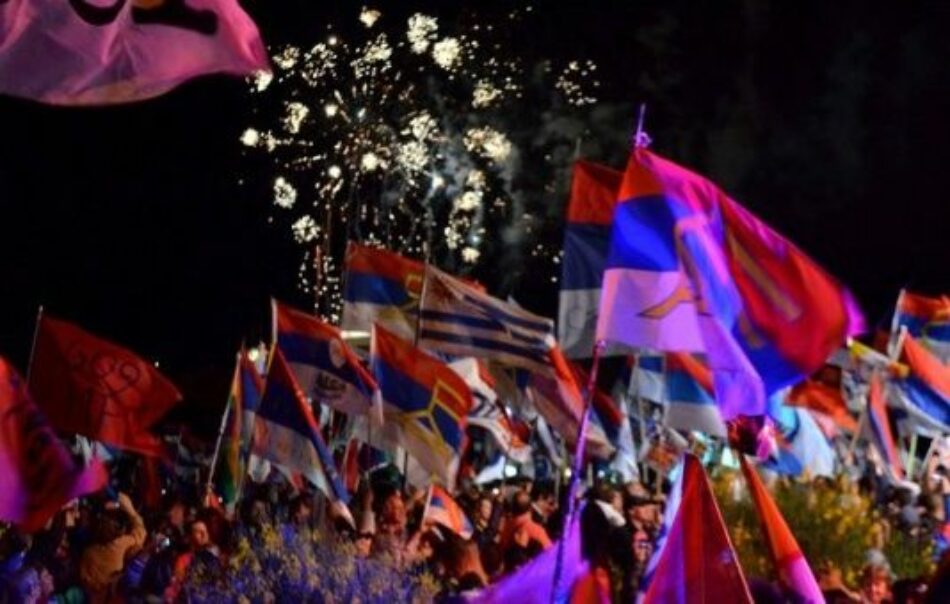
{"x":283,"y":544}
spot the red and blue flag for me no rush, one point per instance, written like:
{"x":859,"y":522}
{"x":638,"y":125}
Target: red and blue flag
{"x":425,"y":403}
{"x":590,"y":213}
{"x":690,"y":270}
{"x":689,"y":395}
{"x":326,"y":368}
{"x":287,"y":433}
{"x":925,"y":318}
{"x":923,"y":386}
{"x":446,"y":512}
{"x":381,"y":287}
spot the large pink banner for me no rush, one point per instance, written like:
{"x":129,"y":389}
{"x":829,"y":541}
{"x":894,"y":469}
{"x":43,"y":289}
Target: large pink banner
{"x":94,"y":52}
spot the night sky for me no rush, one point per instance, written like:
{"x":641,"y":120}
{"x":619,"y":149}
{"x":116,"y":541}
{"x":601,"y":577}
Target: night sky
{"x":830,"y":122}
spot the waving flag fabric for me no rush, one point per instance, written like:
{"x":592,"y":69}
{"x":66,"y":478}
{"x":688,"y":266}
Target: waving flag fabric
{"x":689,"y":396}
{"x":822,"y":393}
{"x":328,"y":371}
{"x":559,"y":400}
{"x":927,"y":319}
{"x":647,"y":378}
{"x":787,"y":557}
{"x":694,"y":561}
{"x":923,"y":386}
{"x":691,"y":270}
{"x":441,"y":508}
{"x":461,"y":320}
{"x":89,"y":386}
{"x":381,"y":287}
{"x":880,"y":427}
{"x":287,"y":433}
{"x":487,"y":411}
{"x":586,"y":242}
{"x":39,"y":475}
{"x":425,"y":403}
{"x":84,"y":52}
{"x":242,"y":405}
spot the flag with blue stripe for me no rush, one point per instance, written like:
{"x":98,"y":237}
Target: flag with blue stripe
{"x":287,"y":433}
{"x":460,"y":320}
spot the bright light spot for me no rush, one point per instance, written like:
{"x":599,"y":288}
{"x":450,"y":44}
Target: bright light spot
{"x":262,"y":80}
{"x":284,"y":193}
{"x":296,"y":113}
{"x":334,"y":172}
{"x":470,"y":255}
{"x":510,"y":471}
{"x":331,"y":109}
{"x":305,"y":229}
{"x":251,"y":137}
{"x":253,"y":354}
{"x":447,"y":53}
{"x":332,"y":40}
{"x":369,"y":16}
{"x":369,"y":162}
{"x":422,"y":30}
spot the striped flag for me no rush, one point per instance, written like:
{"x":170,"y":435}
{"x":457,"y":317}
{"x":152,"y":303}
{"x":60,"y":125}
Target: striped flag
{"x":380,"y":287}
{"x":460,"y":320}
{"x":326,"y":368}
{"x":590,"y":213}
{"x":689,"y":390}
{"x":425,"y":403}
{"x":487,"y":411}
{"x":441,"y":508}
{"x":927,"y":319}
{"x":287,"y":433}
{"x":921,"y":387}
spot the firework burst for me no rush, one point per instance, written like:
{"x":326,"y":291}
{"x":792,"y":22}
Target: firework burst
{"x":408,"y":135}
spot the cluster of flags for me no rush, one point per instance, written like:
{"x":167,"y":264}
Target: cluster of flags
{"x":709,"y":303}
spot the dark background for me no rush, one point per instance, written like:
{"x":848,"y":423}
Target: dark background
{"x":828,"y":119}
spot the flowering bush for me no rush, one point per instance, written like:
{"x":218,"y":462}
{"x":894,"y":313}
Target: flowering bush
{"x":834,"y":523}
{"x":291,"y":566}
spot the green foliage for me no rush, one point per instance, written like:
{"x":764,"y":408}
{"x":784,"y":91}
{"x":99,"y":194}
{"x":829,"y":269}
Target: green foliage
{"x":834,"y":523}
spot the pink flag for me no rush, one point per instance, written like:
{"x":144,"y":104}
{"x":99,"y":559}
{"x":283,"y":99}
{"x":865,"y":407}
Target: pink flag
{"x":85,"y":52}
{"x":38,"y":474}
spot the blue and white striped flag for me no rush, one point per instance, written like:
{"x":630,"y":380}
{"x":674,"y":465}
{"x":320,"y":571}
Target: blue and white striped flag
{"x":460,"y":320}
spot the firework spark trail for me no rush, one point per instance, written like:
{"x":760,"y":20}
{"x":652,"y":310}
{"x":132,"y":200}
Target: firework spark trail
{"x":369,"y":135}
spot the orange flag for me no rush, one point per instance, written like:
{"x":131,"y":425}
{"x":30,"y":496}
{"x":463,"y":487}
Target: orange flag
{"x":89,"y":386}
{"x":789,"y":561}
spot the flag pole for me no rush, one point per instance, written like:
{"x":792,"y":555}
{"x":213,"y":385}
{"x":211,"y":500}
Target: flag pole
{"x":36,"y":335}
{"x":222,"y":427}
{"x":578,"y":467}
{"x":217,"y":446}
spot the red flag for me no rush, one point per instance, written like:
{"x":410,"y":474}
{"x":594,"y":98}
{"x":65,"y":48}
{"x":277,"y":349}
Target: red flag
{"x":793,"y":569}
{"x":694,"y":562}
{"x":85,"y":52}
{"x":37,"y":472}
{"x":89,"y":386}
{"x":822,"y":393}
